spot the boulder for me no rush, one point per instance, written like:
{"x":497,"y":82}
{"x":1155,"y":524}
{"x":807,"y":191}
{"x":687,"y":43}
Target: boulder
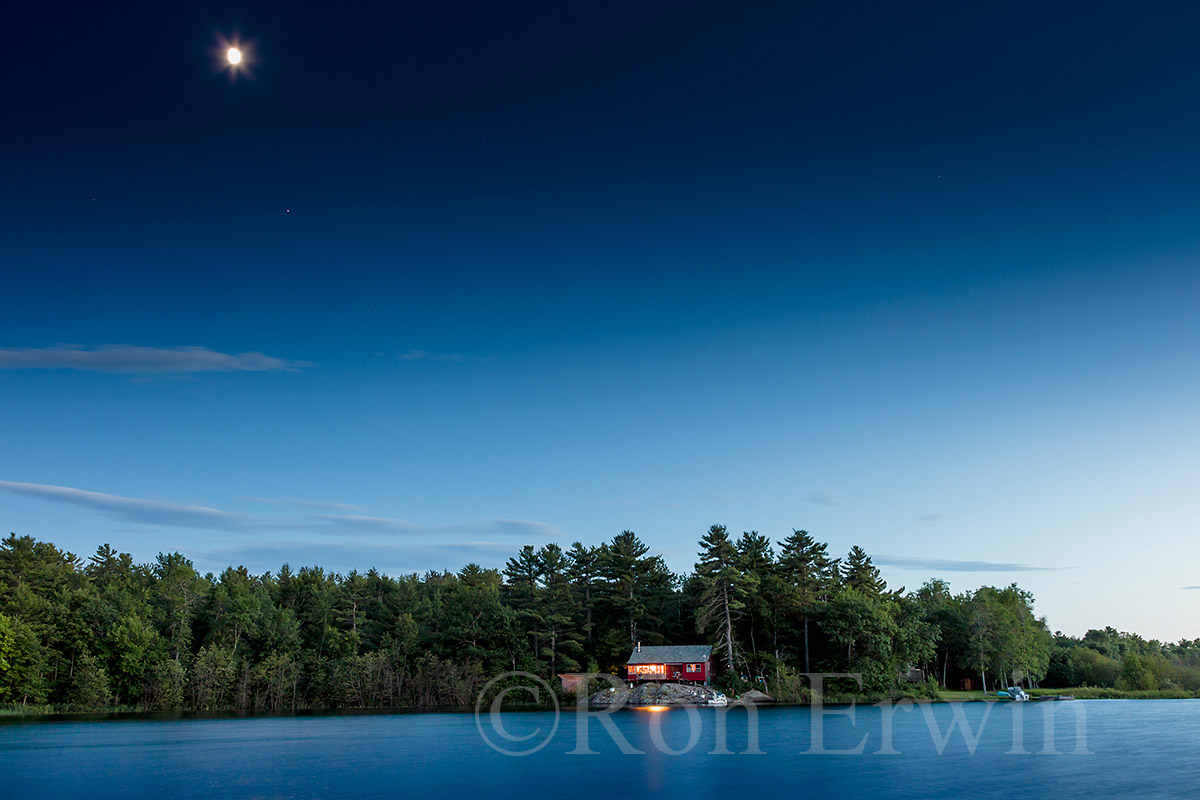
{"x":756,"y":697}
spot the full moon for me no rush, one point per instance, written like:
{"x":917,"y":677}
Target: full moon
{"x":234,"y":55}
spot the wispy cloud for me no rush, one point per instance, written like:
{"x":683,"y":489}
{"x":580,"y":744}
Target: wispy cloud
{"x":949,"y":565}
{"x":129,"y":509}
{"x":178,"y":515}
{"x":823,"y":498}
{"x":295,"y":501}
{"x":929,"y":518}
{"x":641,"y":504}
{"x":358,"y":522}
{"x":1189,"y":587}
{"x":519,"y":528}
{"x":131,"y":359}
{"x":422,"y":355}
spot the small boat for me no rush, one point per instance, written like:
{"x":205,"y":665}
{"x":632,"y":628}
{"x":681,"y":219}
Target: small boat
{"x":1014,"y":694}
{"x":718,"y":700}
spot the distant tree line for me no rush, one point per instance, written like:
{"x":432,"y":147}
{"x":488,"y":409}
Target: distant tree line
{"x":1112,"y":659}
{"x":105,"y":631}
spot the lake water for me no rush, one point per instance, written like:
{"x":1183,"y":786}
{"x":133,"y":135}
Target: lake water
{"x":1136,"y":748}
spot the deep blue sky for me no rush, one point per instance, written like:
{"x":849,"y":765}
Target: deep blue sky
{"x":917,"y":277}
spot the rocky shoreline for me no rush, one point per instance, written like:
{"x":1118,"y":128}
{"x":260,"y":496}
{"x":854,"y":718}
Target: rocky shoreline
{"x":672,"y":694}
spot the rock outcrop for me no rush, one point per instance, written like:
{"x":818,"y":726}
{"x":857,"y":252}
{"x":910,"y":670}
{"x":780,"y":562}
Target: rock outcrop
{"x":660,"y":694}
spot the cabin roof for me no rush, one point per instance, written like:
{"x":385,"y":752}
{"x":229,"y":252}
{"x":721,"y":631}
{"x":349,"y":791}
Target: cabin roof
{"x":670,"y":654}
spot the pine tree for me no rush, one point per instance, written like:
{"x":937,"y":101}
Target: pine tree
{"x":721,"y":593}
{"x":523,"y":593}
{"x":622,"y":563}
{"x":756,"y":564}
{"x":860,"y":574}
{"x":559,"y":611}
{"x":521,"y":578}
{"x":810,"y":575}
{"x":583,"y":570}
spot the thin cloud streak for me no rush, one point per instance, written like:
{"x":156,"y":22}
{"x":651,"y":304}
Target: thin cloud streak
{"x":129,"y":509}
{"x":950,"y":565}
{"x":823,"y":498}
{"x":132,"y":359}
{"x":1189,"y":587}
{"x":295,"y":501}
{"x":641,"y":504}
{"x":178,"y":515}
{"x":422,"y":355}
{"x":492,"y":527}
{"x":357,"y":522}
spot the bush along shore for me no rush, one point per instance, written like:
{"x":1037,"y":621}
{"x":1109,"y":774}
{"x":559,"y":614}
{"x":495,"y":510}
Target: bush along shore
{"x":107,"y":633}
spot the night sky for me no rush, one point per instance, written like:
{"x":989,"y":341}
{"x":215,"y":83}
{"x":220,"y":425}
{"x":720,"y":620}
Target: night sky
{"x":423,"y":282}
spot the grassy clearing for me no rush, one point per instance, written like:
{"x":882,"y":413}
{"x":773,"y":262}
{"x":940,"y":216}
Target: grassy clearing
{"x":25,"y":711}
{"x":958,"y":696}
{"x":1101,"y":693}
{"x":18,"y":710}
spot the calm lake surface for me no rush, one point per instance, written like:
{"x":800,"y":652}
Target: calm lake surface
{"x":1135,"y":748}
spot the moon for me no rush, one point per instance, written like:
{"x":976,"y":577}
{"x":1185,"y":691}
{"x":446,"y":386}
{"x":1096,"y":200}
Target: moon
{"x":234,"y":55}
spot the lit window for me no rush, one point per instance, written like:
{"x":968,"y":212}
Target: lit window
{"x":648,"y":669}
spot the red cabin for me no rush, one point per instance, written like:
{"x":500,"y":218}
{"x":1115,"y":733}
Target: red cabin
{"x":687,"y":663}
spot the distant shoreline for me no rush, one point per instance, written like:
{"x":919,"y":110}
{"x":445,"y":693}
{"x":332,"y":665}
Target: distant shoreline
{"x":51,"y":714}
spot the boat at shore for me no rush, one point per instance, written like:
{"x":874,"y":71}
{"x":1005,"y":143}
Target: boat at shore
{"x":1015,"y":694}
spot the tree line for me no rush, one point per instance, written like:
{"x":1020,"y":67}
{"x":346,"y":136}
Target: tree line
{"x":106,"y":632}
